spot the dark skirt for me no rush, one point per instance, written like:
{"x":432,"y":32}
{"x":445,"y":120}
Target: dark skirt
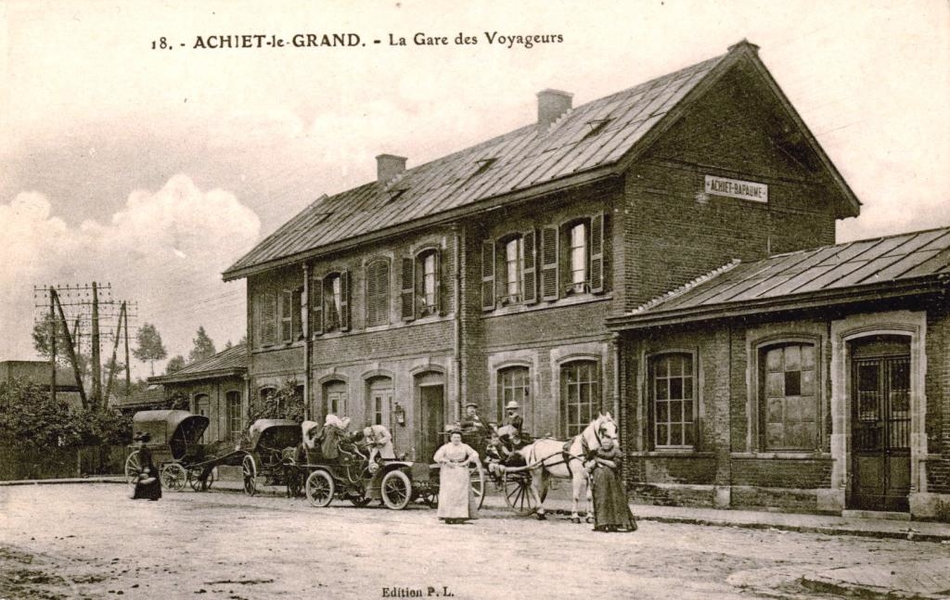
{"x":147,"y":488}
{"x":611,"y":510}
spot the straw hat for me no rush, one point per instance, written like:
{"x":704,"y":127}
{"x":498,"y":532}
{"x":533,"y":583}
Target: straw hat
{"x":512,"y":405}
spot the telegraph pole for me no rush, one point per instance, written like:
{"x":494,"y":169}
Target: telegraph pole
{"x":52,"y":347}
{"x":85,"y":305}
{"x":96,"y":359}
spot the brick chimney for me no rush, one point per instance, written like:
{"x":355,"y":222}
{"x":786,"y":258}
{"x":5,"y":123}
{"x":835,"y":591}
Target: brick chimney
{"x":388,"y":167}
{"x":551,"y":105}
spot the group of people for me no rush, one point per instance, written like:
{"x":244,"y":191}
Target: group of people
{"x":456,"y":497}
{"x":335,"y":432}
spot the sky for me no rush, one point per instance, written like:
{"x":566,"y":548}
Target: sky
{"x":134,"y":157}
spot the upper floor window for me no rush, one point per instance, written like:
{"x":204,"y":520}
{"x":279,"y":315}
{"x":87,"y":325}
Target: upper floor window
{"x":508,"y":272}
{"x":291,"y":302}
{"x":580,"y":395}
{"x":421,"y":285}
{"x":514,"y":269}
{"x":572,"y":258}
{"x":578,"y":281}
{"x":788,"y":392}
{"x":330,"y":303}
{"x":377,"y":293}
{"x":672,"y":406}
{"x":266,"y":312}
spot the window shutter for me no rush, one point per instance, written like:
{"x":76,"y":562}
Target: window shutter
{"x":597,"y":253}
{"x":286,"y":315}
{"x":297,"y":314}
{"x":549,"y":263}
{"x":316,"y":306}
{"x":269,"y":319}
{"x":437,"y":255}
{"x":258,"y":321}
{"x":408,"y":289}
{"x":344,"y":300}
{"x":488,"y":275}
{"x":530,"y":292}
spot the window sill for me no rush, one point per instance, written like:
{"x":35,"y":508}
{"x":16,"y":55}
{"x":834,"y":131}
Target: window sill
{"x":511,"y":309}
{"x":775,"y":455}
{"x":674,"y":453}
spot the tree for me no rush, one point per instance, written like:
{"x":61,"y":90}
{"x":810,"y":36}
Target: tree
{"x":28,"y":415}
{"x":150,"y":346}
{"x":175,"y":364}
{"x":42,"y":343}
{"x":203,"y":346}
{"x":286,"y":402}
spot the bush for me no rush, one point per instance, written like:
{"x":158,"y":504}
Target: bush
{"x":29,"y":416}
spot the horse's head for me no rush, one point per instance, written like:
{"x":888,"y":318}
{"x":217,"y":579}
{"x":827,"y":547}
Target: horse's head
{"x":602,"y":428}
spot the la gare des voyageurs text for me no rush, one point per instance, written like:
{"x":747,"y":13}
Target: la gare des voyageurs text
{"x":330,"y":40}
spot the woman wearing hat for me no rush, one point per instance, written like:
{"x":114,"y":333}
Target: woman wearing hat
{"x":147,"y":485}
{"x":456,"y":500}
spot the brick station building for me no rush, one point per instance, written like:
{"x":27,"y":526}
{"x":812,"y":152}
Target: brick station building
{"x":518,"y":269}
{"x":813,"y":381}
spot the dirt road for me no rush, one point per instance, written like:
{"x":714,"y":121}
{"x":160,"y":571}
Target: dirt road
{"x":90,"y":541}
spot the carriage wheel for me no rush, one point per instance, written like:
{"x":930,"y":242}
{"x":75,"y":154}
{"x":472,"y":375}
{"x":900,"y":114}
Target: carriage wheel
{"x":173,"y":477}
{"x":396,"y":490}
{"x":431,"y":498}
{"x":249,"y":471}
{"x":476,"y":475}
{"x":320,"y":488}
{"x":517,"y":493}
{"x":133,"y":466}
{"x":194,"y":480}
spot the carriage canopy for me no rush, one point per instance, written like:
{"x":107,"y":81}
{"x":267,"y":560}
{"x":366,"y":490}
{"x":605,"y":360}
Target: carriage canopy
{"x":176,"y":429}
{"x":275,"y":433}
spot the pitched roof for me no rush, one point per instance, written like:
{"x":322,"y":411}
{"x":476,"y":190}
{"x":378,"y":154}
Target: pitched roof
{"x":232,"y":361}
{"x":587,"y":142}
{"x":852,"y":272}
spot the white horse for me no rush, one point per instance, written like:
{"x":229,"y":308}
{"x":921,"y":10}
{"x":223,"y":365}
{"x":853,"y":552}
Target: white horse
{"x":565,"y":460}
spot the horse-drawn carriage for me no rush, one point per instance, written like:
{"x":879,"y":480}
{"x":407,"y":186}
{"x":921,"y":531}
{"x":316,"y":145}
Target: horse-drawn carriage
{"x":181,"y":458}
{"x":177,"y":451}
{"x":269,"y":456}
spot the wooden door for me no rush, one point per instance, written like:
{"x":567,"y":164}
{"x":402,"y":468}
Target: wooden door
{"x":431,"y":402}
{"x":881,"y":432}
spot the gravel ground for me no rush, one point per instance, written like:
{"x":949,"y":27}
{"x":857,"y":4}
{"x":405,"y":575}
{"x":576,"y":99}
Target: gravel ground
{"x":91,"y":541}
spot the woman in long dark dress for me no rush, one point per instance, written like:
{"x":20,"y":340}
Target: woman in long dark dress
{"x":611,"y":511}
{"x":147,"y":486}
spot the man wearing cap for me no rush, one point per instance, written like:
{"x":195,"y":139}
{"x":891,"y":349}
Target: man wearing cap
{"x":473,"y":422}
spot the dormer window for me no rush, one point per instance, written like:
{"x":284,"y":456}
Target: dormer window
{"x":596,"y":126}
{"x":483,"y":165}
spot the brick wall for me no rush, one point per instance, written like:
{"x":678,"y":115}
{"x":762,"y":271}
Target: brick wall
{"x":673,"y":233}
{"x":937,"y":426}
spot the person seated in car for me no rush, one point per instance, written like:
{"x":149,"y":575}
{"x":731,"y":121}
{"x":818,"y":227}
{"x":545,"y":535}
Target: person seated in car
{"x":334,"y":432}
